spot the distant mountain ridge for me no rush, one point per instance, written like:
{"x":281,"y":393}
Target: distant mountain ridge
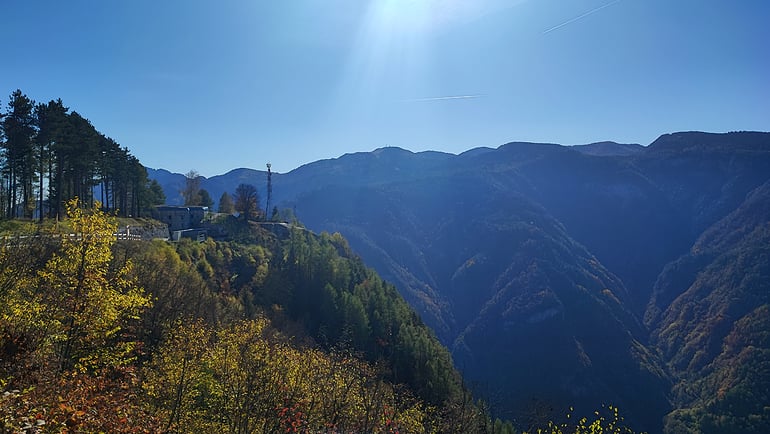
{"x":551,"y":271}
{"x":606,"y":149}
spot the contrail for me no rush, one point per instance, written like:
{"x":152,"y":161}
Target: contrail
{"x":592,"y":11}
{"x":443,"y":98}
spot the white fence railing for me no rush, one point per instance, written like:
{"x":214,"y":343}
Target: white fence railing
{"x":120,"y":236}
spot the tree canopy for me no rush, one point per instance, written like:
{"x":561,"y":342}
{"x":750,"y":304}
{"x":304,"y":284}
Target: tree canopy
{"x":226,"y":204}
{"x":50,"y":155}
{"x":247,"y":201}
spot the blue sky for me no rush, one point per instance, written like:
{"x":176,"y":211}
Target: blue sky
{"x":216,"y":85}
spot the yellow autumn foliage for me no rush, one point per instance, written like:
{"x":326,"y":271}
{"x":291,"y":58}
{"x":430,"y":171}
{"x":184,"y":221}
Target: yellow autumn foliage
{"x":75,"y":306}
{"x":245,"y":378}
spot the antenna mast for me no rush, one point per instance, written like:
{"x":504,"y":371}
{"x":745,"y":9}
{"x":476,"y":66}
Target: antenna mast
{"x":269,"y":191}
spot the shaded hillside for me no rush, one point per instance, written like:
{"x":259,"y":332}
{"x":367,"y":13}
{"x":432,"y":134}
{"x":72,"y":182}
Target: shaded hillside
{"x":706,"y":176}
{"x":605,"y":203}
{"x":481,"y":242}
{"x":710,"y":318}
{"x":529,"y":313}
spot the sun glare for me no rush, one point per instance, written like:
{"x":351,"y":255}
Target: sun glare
{"x":392,"y":58}
{"x":390,"y":47}
{"x":434,"y":15}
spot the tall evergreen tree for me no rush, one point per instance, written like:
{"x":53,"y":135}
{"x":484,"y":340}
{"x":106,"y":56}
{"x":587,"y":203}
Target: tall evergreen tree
{"x":140,"y":189}
{"x":109,"y":152}
{"x":205,"y":198}
{"x":120,"y":182}
{"x":19,"y":128}
{"x":51,"y":119}
{"x":83,"y":163}
{"x":226,"y":203}
{"x":155,"y":194}
{"x":76,"y":158}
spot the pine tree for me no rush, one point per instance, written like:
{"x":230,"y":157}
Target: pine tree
{"x":155,"y":194}
{"x":205,"y":198}
{"x":51,"y":119}
{"x":226,"y":205}
{"x":19,"y":128}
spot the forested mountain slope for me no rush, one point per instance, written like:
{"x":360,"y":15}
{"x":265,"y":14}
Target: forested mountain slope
{"x":530,"y":315}
{"x":485,"y":241}
{"x":710,"y":316}
{"x":260,"y":333}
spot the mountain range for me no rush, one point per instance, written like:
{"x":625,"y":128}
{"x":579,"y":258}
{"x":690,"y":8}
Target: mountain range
{"x":558,"y":276}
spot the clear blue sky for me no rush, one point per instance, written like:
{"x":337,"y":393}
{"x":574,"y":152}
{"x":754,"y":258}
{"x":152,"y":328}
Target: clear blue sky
{"x":216,"y":85}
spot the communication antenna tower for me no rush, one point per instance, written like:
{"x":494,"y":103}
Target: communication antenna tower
{"x":269,"y":192}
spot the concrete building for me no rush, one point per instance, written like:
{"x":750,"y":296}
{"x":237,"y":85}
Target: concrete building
{"x":179,"y":218}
